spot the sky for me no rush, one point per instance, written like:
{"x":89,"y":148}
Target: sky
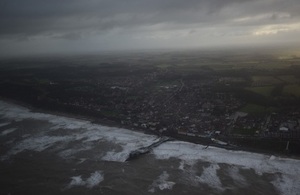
{"x":30,"y":27}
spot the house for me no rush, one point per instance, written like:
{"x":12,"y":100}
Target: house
{"x":284,"y":129}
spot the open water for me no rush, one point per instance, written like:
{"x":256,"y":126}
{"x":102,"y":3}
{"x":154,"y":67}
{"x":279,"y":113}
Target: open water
{"x":47,"y":154}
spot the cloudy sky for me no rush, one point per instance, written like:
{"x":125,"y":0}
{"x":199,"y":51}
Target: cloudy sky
{"x":58,"y":26}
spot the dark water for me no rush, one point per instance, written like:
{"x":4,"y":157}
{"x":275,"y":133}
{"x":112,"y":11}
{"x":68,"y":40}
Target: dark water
{"x":46,"y":154}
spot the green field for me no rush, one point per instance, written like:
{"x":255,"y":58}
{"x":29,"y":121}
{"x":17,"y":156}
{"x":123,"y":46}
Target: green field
{"x":253,"y":109}
{"x":292,"y":90}
{"x":264,"y":80}
{"x":289,"y":79}
{"x":265,"y":91}
{"x":257,"y":109}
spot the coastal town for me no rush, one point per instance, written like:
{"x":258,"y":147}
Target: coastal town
{"x":225,"y":102}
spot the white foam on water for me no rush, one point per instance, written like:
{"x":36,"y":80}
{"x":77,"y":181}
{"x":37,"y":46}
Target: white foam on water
{"x":287,"y":184}
{"x":186,"y":164}
{"x":234,"y":173}
{"x":161,"y":183}
{"x":210,"y":177}
{"x":130,"y":140}
{"x":76,"y":181}
{"x":7,"y":131}
{"x":116,"y":156}
{"x":128,"y":145}
{"x":69,"y":153}
{"x":81,"y":160}
{"x":188,"y":151}
{"x":15,"y":112}
{"x":36,"y":143}
{"x":95,"y":179}
{"x":4,"y":124}
{"x":85,"y":132}
{"x":181,"y":165}
{"x":91,"y":131}
{"x":189,"y":174}
{"x":260,"y":163}
{"x":26,"y":135}
{"x":272,"y":157}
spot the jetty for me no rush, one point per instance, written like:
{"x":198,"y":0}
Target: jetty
{"x":144,"y":150}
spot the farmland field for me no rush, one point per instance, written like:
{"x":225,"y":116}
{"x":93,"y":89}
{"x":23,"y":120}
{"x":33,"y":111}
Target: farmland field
{"x":289,"y":79}
{"x":264,"y":81}
{"x":253,"y":109}
{"x":265,"y":91}
{"x":292,"y":90}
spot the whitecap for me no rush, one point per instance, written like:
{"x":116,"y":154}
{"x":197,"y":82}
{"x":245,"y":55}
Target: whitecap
{"x":209,"y":176}
{"x":161,"y":183}
{"x":4,"y":124}
{"x":76,"y":181}
{"x":95,"y":179}
{"x":7,"y":131}
{"x":238,"y":179}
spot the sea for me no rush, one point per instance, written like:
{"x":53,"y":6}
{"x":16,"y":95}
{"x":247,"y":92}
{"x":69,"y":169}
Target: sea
{"x":43,"y":153}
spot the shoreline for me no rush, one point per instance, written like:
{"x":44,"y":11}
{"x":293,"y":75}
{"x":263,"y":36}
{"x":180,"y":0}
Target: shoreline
{"x":99,"y":121}
{"x":110,"y":123}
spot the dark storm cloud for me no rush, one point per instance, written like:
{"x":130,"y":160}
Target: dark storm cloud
{"x":71,"y":19}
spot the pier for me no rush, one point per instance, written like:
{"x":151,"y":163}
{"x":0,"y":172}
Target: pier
{"x":144,"y":150}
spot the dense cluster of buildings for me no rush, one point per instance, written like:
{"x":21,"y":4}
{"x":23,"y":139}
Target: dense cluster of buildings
{"x":187,"y":106}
